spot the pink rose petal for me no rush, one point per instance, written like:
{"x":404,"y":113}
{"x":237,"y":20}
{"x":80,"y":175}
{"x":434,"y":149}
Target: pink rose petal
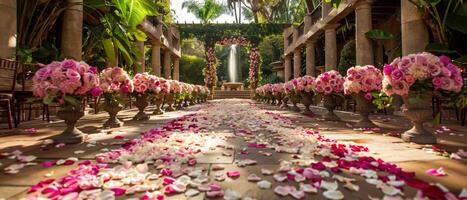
{"x":436,"y":172}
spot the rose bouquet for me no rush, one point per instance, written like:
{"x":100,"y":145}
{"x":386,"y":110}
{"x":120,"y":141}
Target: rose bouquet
{"x":305,"y":87}
{"x":160,"y":88}
{"x":65,"y":82}
{"x":331,"y":85}
{"x":141,"y":83}
{"x":417,"y":77}
{"x":278,"y":92}
{"x":365,"y":82}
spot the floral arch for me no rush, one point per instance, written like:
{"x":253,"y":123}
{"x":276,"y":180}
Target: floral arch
{"x":210,"y":72}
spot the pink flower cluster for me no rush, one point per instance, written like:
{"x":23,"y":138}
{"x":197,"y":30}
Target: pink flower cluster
{"x":277,"y":88}
{"x":68,"y":77}
{"x":115,"y":80}
{"x":363,"y":79}
{"x":304,"y":83}
{"x":265,"y":89}
{"x":210,"y":72}
{"x":230,"y":41}
{"x":254,"y":57}
{"x":403,"y":72}
{"x":329,"y":82}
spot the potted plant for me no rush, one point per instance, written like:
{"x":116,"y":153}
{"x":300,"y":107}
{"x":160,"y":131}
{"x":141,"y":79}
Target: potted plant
{"x":159,"y":93}
{"x":330,"y":85}
{"x":170,"y":97}
{"x":145,"y":86}
{"x":294,"y":95}
{"x":278,"y":92}
{"x":66,"y":83}
{"x":305,"y":88}
{"x":362,"y":82}
{"x":417,"y":77}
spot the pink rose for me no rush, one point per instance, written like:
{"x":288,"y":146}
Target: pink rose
{"x":69,"y":64}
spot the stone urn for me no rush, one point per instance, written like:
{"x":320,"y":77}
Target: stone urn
{"x":185,"y":101}
{"x":141,"y":103}
{"x":284,"y":104}
{"x":158,"y":100}
{"x":330,"y":103}
{"x":307,"y":100}
{"x":169,"y":100}
{"x":418,"y":112}
{"x":71,"y":134}
{"x":364,"y":107}
{"x":295,"y":99}
{"x":273,"y":100}
{"x":112,"y":107}
{"x":279,"y":99}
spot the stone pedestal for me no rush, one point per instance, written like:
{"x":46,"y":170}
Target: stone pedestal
{"x":310,"y":58}
{"x":414,"y":32}
{"x":287,"y":68}
{"x":418,"y":113}
{"x":176,"y":73}
{"x":364,"y":46}
{"x":297,"y":58}
{"x":167,"y":70}
{"x":72,"y":30}
{"x":71,"y":134}
{"x":330,"y":47}
{"x":156,"y":59}
{"x":7,"y":28}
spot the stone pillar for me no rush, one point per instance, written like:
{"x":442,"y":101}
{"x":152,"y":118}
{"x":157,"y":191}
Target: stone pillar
{"x":414,"y":32}
{"x":310,"y":58}
{"x":379,"y":53}
{"x":325,"y":9}
{"x":7,"y":28}
{"x":297,"y":58}
{"x":167,"y":70}
{"x":72,"y":30}
{"x":287,"y":68}
{"x":330,"y":47}
{"x":140,"y":66}
{"x":176,"y":73}
{"x":364,"y":46}
{"x":156,"y":59}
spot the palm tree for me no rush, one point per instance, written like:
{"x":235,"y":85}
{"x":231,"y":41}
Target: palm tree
{"x":207,"y":11}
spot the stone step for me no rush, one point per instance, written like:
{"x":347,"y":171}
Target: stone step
{"x":223,"y":94}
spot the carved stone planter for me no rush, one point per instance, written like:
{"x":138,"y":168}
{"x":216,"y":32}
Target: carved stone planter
{"x":141,"y":103}
{"x":170,"y":100}
{"x":295,"y":99}
{"x":364,"y":108}
{"x":330,"y":103}
{"x":71,"y":134}
{"x":113,"y":107}
{"x":284,"y":104}
{"x":307,"y":100}
{"x":158,"y":100}
{"x":418,"y":112}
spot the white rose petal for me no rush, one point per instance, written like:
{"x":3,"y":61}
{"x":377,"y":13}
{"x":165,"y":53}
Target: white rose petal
{"x":333,"y":194}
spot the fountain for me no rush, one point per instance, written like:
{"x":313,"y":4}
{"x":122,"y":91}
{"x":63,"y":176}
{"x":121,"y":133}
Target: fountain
{"x":233,"y":71}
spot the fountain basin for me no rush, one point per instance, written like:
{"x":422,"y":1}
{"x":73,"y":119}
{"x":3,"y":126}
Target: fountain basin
{"x":232,"y":86}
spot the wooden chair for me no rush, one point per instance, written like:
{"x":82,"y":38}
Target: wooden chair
{"x":8,"y":70}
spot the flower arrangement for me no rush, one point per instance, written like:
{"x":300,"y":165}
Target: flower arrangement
{"x":141,"y":82}
{"x":305,"y":84}
{"x":363,"y":79}
{"x":65,"y":82}
{"x":115,"y":80}
{"x":277,"y":89}
{"x":329,"y":82}
{"x":253,"y":73}
{"x":289,"y":88}
{"x":230,"y":41}
{"x":421,"y":72}
{"x":210,"y":72}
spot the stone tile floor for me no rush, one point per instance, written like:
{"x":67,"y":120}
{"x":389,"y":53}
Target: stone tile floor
{"x":410,"y":156}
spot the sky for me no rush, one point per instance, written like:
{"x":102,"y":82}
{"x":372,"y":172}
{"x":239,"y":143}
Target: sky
{"x":182,"y":15}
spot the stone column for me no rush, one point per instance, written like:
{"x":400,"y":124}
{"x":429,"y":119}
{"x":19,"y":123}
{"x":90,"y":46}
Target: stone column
{"x":176,"y":73}
{"x":140,"y":66}
{"x":7,"y":28}
{"x":330,"y":47}
{"x":72,"y":30}
{"x":167,"y":70}
{"x":156,"y":59}
{"x":364,"y":46}
{"x":325,"y":9}
{"x":310,"y":58}
{"x":414,"y":32}
{"x":297,"y":58}
{"x":287,"y":68}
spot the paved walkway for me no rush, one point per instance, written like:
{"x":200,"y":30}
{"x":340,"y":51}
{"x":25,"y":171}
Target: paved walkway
{"x":235,"y":136}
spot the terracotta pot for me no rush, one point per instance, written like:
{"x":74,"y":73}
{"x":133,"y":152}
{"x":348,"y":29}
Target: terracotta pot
{"x":141,"y":103}
{"x":307,"y":100}
{"x":71,"y":134}
{"x":418,"y":113}
{"x":169,"y":99}
{"x":330,"y":103}
{"x":113,"y":107}
{"x":295,"y":99}
{"x":158,"y":100}
{"x":364,"y":108}
{"x":284,"y":104}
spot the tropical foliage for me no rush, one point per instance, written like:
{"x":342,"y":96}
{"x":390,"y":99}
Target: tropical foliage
{"x":207,"y":11}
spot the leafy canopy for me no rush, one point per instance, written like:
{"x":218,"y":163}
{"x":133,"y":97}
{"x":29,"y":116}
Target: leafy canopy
{"x":207,"y":11}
